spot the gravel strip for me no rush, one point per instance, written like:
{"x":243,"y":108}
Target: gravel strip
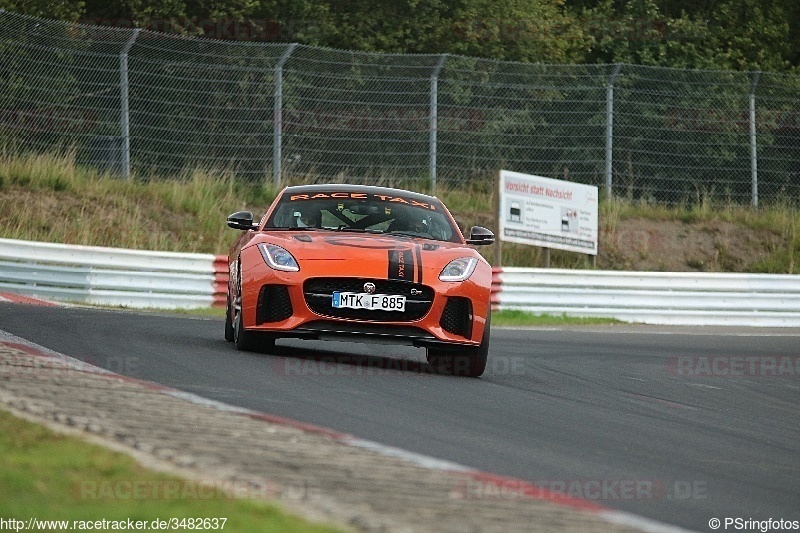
{"x":319,"y":476}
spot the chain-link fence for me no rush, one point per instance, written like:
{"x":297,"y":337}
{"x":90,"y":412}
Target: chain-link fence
{"x":157,"y":104}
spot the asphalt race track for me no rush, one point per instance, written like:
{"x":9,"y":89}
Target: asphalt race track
{"x":642,"y":419}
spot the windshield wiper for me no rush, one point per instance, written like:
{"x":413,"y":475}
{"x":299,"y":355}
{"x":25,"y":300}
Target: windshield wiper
{"x":408,"y":234}
{"x":357,"y":230}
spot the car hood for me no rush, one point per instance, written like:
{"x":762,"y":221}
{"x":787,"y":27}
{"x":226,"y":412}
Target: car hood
{"x":367,"y":255}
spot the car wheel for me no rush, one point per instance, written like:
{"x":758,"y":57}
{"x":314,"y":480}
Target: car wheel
{"x":469,"y":361}
{"x":228,"y":321}
{"x":246,"y":340}
{"x":242,"y":339}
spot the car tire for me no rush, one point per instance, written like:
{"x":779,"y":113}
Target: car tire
{"x":248,"y":341}
{"x":468,"y":361}
{"x":242,"y":339}
{"x":228,"y":321}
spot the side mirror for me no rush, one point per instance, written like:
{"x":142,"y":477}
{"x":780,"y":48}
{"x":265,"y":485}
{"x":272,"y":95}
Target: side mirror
{"x":241,"y":220}
{"x":479,"y":235}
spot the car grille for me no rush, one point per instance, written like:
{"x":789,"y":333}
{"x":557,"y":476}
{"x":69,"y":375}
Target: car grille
{"x":274,"y":304}
{"x":319,"y":297}
{"x":457,"y":316}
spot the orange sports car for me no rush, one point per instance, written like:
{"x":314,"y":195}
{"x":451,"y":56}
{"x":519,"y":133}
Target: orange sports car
{"x":354,"y":262}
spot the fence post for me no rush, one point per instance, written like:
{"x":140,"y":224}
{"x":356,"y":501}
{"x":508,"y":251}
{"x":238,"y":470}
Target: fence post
{"x":753,"y":145}
{"x":277,"y":116}
{"x":433,"y":120}
{"x":125,"y":115}
{"x":610,"y":128}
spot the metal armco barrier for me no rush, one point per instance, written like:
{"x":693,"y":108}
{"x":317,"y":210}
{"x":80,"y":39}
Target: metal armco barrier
{"x":112,"y":276}
{"x":677,"y":298}
{"x":147,"y":279}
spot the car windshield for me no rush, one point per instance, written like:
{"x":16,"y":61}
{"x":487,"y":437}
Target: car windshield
{"x":364,"y":212}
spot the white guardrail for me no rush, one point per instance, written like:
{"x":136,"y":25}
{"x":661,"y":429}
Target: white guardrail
{"x":112,"y":276}
{"x":134,"y":278}
{"x":677,"y":298}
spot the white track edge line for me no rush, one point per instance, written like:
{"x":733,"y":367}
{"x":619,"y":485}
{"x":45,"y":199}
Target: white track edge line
{"x":612,"y":516}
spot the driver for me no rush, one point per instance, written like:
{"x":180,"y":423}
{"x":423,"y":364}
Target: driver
{"x":417,"y":225}
{"x":409,"y":221}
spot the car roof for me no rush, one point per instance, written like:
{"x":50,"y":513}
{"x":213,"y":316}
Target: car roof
{"x":368,"y":189}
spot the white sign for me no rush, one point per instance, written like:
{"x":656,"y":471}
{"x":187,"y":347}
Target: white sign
{"x":548,"y":213}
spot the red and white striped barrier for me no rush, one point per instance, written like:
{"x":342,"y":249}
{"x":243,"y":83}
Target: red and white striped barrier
{"x":148,"y":279}
{"x":221,"y":277}
{"x":497,"y":287}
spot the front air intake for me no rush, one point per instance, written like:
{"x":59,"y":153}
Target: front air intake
{"x":457,"y":316}
{"x":274,"y":304}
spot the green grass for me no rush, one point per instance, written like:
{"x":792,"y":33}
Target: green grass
{"x":50,"y":198}
{"x":514,"y":317}
{"x":506,"y":317}
{"x":781,"y":219}
{"x":55,"y":477}
{"x":202,"y":312}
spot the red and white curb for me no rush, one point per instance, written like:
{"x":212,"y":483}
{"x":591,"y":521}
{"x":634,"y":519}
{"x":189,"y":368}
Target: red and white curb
{"x":20,"y":299}
{"x":614,"y":517}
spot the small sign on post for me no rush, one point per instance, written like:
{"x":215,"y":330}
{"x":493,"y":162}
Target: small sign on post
{"x":548,"y":213}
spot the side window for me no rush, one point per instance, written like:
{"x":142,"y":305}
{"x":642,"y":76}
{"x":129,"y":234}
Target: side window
{"x":282,"y":217}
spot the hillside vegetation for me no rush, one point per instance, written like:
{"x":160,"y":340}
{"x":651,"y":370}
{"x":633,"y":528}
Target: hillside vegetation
{"x":50,"y":198}
{"x":724,"y":34}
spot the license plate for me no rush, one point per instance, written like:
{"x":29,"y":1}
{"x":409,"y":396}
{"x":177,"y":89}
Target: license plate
{"x":372,"y":302}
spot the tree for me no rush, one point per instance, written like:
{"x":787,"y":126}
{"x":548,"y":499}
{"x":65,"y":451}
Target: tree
{"x":213,"y":18}
{"x":53,"y":9}
{"x":517,"y":30}
{"x":722,"y":34}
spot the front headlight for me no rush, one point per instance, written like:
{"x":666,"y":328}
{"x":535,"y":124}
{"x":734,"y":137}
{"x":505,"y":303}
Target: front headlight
{"x":458,"y":269}
{"x":278,"y":258}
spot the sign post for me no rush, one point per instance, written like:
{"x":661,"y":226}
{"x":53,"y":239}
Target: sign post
{"x":548,"y":213}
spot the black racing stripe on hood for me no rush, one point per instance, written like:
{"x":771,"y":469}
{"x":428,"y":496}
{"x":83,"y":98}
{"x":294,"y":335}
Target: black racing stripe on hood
{"x":401,"y":265}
